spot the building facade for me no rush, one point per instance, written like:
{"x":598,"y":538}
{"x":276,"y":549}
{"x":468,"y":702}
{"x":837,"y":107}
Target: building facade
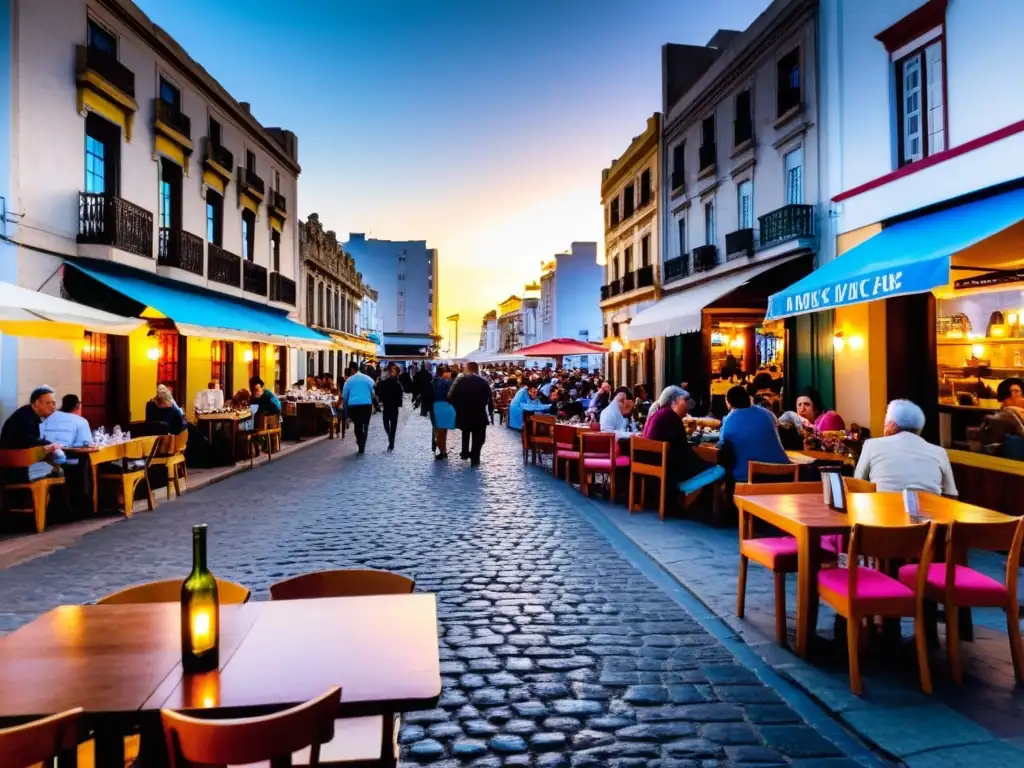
{"x":629,"y":197}
{"x":369,"y":325}
{"x":569,"y":282}
{"x":517,"y":323}
{"x":144,"y":188}
{"x":489,"y":332}
{"x":405,"y":276}
{"x":333,"y":293}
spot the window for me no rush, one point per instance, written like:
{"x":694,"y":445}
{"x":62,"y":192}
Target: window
{"x":95,"y":166}
{"x":277,"y":181}
{"x":169,"y":203}
{"x":743,"y":125}
{"x":169,"y":94}
{"x":102,"y":155}
{"x":645,"y":187}
{"x":320,"y":304}
{"x":645,"y":251}
{"x":921,"y":90}
{"x":787,"y":79}
{"x":214,"y":133}
{"x":330,"y":308}
{"x":101,"y":39}
{"x":280,"y":369}
{"x":615,"y":267}
{"x":681,"y":224}
{"x":275,"y":249}
{"x":310,"y":299}
{"x":257,"y":354}
{"x":709,"y":223}
{"x":214,"y":218}
{"x":337,"y":306}
{"x":678,"y":165}
{"x":707,"y":142}
{"x":218,"y":365}
{"x":167,"y":367}
{"x":615,"y":213}
{"x":248,"y":235}
{"x":795,"y":176}
{"x":627,"y":259}
{"x":96,"y":390}
{"x":628,"y":201}
{"x":745,"y":207}
{"x":250,"y":160}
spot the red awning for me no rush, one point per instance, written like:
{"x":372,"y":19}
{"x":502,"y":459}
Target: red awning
{"x":561,"y":348}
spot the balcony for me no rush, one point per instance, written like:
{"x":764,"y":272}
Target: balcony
{"x":219,"y":160}
{"x":180,"y":249}
{"x":786,"y":223}
{"x":223,"y":267}
{"x":106,"y":66}
{"x":645,"y":277}
{"x":705,"y":257}
{"x":707,"y":156}
{"x":104,"y":220}
{"x":739,"y":243}
{"x":105,"y":85}
{"x":278,"y":202}
{"x":677,"y":268}
{"x":614,"y":288}
{"x":173,"y":123}
{"x":282,"y":288}
{"x":628,"y":282}
{"x":251,"y":184}
{"x":254,"y":278}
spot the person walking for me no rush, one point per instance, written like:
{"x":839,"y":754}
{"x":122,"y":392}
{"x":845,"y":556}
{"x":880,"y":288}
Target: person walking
{"x":442,"y":415}
{"x":390,"y":394}
{"x":470,"y":395}
{"x":357,"y":398}
{"x":423,"y":389}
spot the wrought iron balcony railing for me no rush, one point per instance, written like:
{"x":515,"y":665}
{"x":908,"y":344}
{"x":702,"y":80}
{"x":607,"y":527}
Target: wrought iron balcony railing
{"x":108,"y":67}
{"x":739,"y":243}
{"x":786,"y":223}
{"x":108,"y":220}
{"x":282,"y":288}
{"x":177,"y":248}
{"x":705,"y":257}
{"x":254,"y":278}
{"x":222,"y":266}
{"x":173,"y":117}
{"x":677,"y":267}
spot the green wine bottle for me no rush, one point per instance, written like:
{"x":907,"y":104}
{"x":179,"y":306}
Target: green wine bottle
{"x":200,"y":612}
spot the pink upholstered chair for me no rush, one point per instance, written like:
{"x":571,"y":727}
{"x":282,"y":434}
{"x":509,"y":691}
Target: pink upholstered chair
{"x":565,"y":448}
{"x":599,"y":455}
{"x":957,"y":586}
{"x":776,"y":553}
{"x":857,"y":591}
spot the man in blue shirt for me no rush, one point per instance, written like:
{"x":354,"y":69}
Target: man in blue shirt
{"x":357,"y":397}
{"x":67,"y":427}
{"x":751,"y":433}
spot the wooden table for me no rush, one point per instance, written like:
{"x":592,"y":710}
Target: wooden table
{"x":807,"y":518}
{"x":122,"y":663}
{"x":95,"y":455}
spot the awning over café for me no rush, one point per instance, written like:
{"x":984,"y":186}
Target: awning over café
{"x":200,"y":312}
{"x":24,"y":312}
{"x":912,"y":256}
{"x":682,"y":312}
{"x":359,"y":345}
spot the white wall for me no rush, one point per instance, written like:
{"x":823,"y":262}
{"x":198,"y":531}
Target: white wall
{"x":984,"y":81}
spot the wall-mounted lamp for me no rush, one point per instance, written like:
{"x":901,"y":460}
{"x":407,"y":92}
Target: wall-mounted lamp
{"x":977,"y":350}
{"x":247,"y":355}
{"x":153,"y":353}
{"x":616,"y":346}
{"x":839,"y":342}
{"x":856,"y":342}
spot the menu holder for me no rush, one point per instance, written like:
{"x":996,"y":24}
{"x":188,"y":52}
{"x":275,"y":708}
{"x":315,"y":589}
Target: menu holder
{"x":833,"y":490}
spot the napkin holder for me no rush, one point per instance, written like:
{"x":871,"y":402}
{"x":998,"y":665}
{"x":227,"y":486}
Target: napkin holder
{"x":833,"y":489}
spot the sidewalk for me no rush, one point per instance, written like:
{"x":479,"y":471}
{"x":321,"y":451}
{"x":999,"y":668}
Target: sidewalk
{"x":980,"y":723}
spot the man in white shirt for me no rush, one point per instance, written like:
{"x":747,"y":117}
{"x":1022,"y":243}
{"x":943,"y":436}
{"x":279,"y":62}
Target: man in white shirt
{"x":67,"y":427}
{"x":903,"y":458}
{"x":615,"y":418}
{"x":209,"y":399}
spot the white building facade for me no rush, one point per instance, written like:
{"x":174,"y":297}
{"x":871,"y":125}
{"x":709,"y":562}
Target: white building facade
{"x":567,"y":309}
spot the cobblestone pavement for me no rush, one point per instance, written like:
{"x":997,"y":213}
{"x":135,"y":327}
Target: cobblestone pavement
{"x":555,"y":650}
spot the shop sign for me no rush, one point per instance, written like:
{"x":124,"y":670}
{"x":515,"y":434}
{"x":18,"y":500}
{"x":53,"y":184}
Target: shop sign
{"x":995,"y":277}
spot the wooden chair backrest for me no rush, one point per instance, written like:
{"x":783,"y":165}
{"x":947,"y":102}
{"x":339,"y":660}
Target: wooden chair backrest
{"x":648,"y":457}
{"x":352,"y":582}
{"x":191,"y":741}
{"x":888,"y":542}
{"x":39,"y":741}
{"x":169,"y":591}
{"x":757,"y":469}
{"x":141,"y":448}
{"x":172,"y":445}
{"x":269,"y":421}
{"x":854,"y":485}
{"x":20,"y":458}
{"x":542,"y":426}
{"x":598,"y":444}
{"x":772,"y":489}
{"x":565,"y":433}
{"x":992,"y":537}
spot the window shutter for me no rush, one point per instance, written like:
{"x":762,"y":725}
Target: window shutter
{"x":936,"y":113}
{"x":913,"y":148}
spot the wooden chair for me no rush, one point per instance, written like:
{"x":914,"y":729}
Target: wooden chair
{"x":853,"y":485}
{"x":169,"y":591}
{"x":858,"y":592}
{"x":352,"y":583}
{"x":778,"y":473}
{"x":171,"y":456}
{"x":957,"y":586}
{"x":40,"y":741}
{"x":273,"y":738}
{"x":268,"y":430}
{"x":128,"y":475}
{"x":639,"y":449}
{"x":542,"y":435}
{"x":566,"y":449}
{"x":38,"y":490}
{"x":599,"y":455}
{"x":776,"y":553}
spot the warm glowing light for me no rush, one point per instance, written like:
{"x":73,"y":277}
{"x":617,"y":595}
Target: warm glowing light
{"x":153,"y":353}
{"x":616,"y":346}
{"x":856,"y":342}
{"x":780,"y":345}
{"x":977,"y":350}
{"x":203,"y":628}
{"x":736,"y":343}
{"x":838,"y":342}
{"x":725,"y":339}
{"x":247,"y":355}
{"x":954,"y":333}
{"x":974,"y":335}
{"x":1012,"y":318}
{"x":998,"y":331}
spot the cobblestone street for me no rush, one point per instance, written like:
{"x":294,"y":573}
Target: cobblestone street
{"x":555,"y":649}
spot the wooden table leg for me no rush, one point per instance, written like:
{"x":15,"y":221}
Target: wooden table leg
{"x":95,"y":487}
{"x":808,"y":564}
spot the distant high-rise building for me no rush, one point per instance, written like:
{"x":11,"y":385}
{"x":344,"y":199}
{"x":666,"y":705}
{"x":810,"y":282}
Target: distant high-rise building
{"x":405,"y":276}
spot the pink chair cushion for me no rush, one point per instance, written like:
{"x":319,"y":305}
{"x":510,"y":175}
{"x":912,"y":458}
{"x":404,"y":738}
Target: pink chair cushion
{"x":568,"y":455}
{"x":969,"y":586}
{"x":833,"y":544}
{"x":772,"y":548}
{"x":604,"y":464}
{"x":565,"y":447}
{"x":871,"y":584}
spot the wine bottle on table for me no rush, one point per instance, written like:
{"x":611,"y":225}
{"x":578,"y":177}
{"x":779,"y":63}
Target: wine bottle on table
{"x":200,"y":612}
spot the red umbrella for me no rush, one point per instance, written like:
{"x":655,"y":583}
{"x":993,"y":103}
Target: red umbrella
{"x":559,"y":348}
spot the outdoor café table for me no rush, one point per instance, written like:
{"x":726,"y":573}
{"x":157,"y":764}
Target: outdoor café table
{"x":122,"y":663}
{"x":231,"y":418}
{"x":807,"y":518}
{"x":96,"y":455}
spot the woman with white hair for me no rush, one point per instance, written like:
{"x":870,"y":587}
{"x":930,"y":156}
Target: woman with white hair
{"x":902,"y":458}
{"x":665,"y":423}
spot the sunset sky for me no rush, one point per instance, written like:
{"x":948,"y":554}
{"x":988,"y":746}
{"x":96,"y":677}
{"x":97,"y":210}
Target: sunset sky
{"x":481,"y":126}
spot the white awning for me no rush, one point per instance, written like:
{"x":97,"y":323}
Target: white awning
{"x":682,"y":312}
{"x":31,"y":313}
{"x":227,"y":334}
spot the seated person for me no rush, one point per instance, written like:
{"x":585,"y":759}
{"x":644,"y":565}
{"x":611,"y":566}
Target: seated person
{"x":525,"y":401}
{"x":209,"y":399}
{"x":791,"y":431}
{"x":811,"y":410}
{"x":22,"y":430}
{"x":686,"y":470}
{"x":751,"y":432}
{"x":67,"y":426}
{"x":616,"y":417}
{"x":641,"y":400}
{"x":267,"y":402}
{"x":1002,"y":433}
{"x":902,"y":458}
{"x":163,"y":409}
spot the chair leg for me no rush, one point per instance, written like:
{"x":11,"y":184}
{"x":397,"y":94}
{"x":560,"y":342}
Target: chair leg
{"x":643,"y":493}
{"x":584,"y":482}
{"x":177,"y":486}
{"x":611,"y":485}
{"x":661,"y":500}
{"x":780,"y":608}
{"x":853,"y":649}
{"x":40,"y":500}
{"x":128,"y":491}
{"x":741,"y":588}
{"x":631,"y":492}
{"x":1016,"y":648}
{"x":953,"y":643}
{"x":921,"y":641}
{"x":150,"y":501}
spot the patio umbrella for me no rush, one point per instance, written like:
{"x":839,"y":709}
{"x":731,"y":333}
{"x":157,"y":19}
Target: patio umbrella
{"x":560,"y":348}
{"x":24,"y":312}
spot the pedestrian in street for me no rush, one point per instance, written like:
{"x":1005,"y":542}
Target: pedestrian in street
{"x":442,"y":415}
{"x":390,"y":394}
{"x":423,"y":389}
{"x":470,"y":395}
{"x":357,"y":397}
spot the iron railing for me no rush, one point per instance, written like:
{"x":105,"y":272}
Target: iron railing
{"x":172,"y":117}
{"x":739,"y":243}
{"x":277,"y":200}
{"x":177,"y":248}
{"x":223,"y":267}
{"x":645,"y":276}
{"x":677,"y":267}
{"x":108,"y":67}
{"x":254,"y":278}
{"x":705,"y":257}
{"x":219,"y":154}
{"x":282,"y":288}
{"x":786,"y":223}
{"x":250,"y":180}
{"x":107,"y":220}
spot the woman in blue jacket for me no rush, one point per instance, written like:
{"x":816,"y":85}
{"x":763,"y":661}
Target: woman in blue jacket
{"x":442,"y":416}
{"x":524,"y":401}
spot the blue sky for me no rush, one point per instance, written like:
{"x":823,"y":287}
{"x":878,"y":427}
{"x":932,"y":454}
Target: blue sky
{"x":481,"y":126}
